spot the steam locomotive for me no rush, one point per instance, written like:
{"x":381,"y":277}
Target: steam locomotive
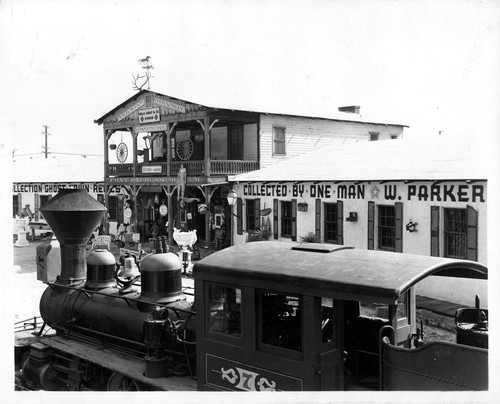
{"x":266,"y":316}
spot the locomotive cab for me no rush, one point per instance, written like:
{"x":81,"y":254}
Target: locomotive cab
{"x":307,"y":317}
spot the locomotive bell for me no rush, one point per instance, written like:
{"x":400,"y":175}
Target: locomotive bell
{"x":129,"y":268}
{"x":161,"y":279}
{"x":72,"y":215}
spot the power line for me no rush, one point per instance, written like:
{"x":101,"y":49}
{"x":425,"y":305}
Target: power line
{"x":78,"y":154}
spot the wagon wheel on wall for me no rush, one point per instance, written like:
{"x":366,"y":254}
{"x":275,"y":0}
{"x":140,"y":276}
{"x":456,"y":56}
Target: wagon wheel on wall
{"x":122,"y":152}
{"x":185,"y":149}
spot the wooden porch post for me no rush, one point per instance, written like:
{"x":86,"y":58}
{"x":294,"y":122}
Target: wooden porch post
{"x":107,"y":135}
{"x":206,"y":128}
{"x":134,"y":146}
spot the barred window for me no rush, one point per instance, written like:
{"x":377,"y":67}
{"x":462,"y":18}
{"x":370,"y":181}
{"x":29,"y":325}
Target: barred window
{"x":330,"y":222}
{"x":286,"y":219}
{"x":250,"y":214}
{"x":455,"y":233}
{"x":386,"y":228}
{"x":279,"y":140}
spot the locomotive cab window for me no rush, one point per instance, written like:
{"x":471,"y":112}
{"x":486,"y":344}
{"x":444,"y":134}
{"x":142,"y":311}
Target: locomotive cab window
{"x":280,"y":321}
{"x":327,"y":320}
{"x":225,"y":310}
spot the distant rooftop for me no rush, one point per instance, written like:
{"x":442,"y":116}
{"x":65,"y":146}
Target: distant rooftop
{"x":58,"y":169}
{"x":398,"y":159}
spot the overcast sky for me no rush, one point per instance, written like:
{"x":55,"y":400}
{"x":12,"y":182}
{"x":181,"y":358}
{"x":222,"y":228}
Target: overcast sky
{"x":432,"y":65}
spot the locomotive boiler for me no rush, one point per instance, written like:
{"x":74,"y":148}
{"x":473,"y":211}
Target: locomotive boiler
{"x":144,"y":316}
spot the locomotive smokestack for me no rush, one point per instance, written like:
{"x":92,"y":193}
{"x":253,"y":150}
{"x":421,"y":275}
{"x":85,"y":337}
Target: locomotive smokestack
{"x":72,"y":215}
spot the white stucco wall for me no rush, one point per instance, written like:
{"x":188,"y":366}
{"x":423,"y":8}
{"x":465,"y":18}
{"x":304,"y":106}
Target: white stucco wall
{"x":417,"y":199}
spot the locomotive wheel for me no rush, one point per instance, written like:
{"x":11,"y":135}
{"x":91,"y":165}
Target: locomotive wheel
{"x":119,"y":382}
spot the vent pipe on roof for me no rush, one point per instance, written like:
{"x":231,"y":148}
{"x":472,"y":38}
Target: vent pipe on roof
{"x":353,"y":109}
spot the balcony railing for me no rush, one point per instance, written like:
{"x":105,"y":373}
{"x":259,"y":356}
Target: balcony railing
{"x":193,"y":168}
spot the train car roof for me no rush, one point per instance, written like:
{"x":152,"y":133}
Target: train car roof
{"x":354,"y":274}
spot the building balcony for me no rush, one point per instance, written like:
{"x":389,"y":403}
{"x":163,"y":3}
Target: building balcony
{"x":193,"y":168}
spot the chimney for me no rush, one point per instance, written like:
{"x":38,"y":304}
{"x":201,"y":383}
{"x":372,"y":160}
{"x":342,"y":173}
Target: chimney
{"x":353,"y":109}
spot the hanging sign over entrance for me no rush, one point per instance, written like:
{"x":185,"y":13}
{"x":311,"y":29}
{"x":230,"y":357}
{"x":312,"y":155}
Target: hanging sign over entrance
{"x":149,"y":115}
{"x":151,"y":128}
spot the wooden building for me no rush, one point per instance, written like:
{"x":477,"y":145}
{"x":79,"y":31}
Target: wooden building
{"x":173,"y":156}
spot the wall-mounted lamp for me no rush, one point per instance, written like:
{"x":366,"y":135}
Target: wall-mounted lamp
{"x":232,"y":197}
{"x":112,"y":146}
{"x":353,"y":217}
{"x":198,"y":137}
{"x":411,"y":227}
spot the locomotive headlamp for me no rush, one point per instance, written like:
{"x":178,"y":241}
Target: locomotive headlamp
{"x":232,"y":197}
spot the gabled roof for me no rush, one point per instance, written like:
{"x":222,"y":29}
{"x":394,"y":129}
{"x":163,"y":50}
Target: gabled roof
{"x":385,"y":160}
{"x":335,"y":116}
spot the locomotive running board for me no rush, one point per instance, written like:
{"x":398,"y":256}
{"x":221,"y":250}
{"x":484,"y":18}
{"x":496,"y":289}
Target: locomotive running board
{"x":128,"y":366}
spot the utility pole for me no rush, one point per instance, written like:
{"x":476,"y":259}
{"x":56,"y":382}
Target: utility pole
{"x":46,"y":134}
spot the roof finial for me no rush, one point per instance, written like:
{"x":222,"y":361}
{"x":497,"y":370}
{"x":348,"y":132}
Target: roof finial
{"x":147,"y":67}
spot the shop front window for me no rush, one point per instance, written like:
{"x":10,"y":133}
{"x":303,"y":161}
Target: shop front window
{"x":250,"y":214}
{"x":331,"y":222}
{"x":386,"y":228}
{"x":455,"y":233}
{"x":286,"y":219}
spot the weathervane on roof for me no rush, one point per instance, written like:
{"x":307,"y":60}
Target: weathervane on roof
{"x":147,"y":68}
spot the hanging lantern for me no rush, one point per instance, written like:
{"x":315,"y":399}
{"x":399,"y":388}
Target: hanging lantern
{"x":202,"y":208}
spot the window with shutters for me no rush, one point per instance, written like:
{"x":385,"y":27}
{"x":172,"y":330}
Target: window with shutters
{"x":279,"y":141}
{"x":286,"y":219}
{"x":455,"y":233}
{"x":250,"y":214}
{"x":386,"y":228}
{"x":331,"y":222}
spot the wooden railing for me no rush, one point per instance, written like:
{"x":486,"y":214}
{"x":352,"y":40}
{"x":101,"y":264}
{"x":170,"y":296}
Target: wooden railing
{"x":232,"y":166}
{"x":193,"y":168}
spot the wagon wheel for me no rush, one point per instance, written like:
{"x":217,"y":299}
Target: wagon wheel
{"x":185,"y":149}
{"x":122,"y":152}
{"x":119,"y":382}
